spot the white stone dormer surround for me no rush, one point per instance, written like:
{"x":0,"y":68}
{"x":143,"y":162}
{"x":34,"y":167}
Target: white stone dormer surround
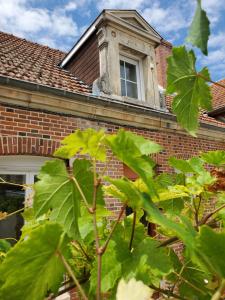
{"x":125,"y":34}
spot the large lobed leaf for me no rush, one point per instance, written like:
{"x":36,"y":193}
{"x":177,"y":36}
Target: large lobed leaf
{"x":57,"y":191}
{"x":88,"y":141}
{"x":32,"y":267}
{"x":192,"y":91}
{"x":199,"y":30}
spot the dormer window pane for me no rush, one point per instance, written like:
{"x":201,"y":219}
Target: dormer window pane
{"x":128,"y":78}
{"x":131,"y":72}
{"x":132,"y":90}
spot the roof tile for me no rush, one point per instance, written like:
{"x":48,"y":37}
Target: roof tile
{"x":24,"y":60}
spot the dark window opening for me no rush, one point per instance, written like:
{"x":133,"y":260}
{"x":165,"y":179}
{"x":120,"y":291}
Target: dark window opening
{"x":11,"y":199}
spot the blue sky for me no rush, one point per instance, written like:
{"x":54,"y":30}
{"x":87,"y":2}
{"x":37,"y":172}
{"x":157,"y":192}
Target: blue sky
{"x":59,"y":23}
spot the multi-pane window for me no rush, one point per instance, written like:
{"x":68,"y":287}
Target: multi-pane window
{"x":129,"y":78}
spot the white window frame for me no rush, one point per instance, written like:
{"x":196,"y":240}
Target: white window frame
{"x":139,"y":73}
{"x":26,"y":165}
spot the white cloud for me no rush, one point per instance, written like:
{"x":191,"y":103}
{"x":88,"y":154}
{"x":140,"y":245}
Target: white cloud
{"x":43,"y":25}
{"x":217,"y":40}
{"x":215,"y":9}
{"x":71,"y":5}
{"x":120,"y":4}
{"x":165,"y":20}
{"x":215,"y":60}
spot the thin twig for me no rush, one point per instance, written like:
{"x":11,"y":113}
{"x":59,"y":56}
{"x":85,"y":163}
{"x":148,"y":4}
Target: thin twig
{"x":98,"y":252}
{"x":104,"y":247}
{"x":133,"y":229}
{"x":166,"y":292}
{"x":220,"y":292}
{"x":189,"y":283}
{"x":209,"y":80}
{"x":78,"y":246}
{"x":208,"y":216}
{"x":11,"y":214}
{"x":70,"y":272}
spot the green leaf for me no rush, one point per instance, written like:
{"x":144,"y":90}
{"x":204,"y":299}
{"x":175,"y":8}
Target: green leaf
{"x":126,"y":191}
{"x":82,"y":171}
{"x":180,"y":230}
{"x":216,"y":158}
{"x":134,"y":152}
{"x":210,"y":247}
{"x":148,"y":251}
{"x":32,"y":268}
{"x":172,"y":206}
{"x":192,"y":91}
{"x":4,"y":246}
{"x":199,"y":30}
{"x":56,"y":191}
{"x":88,"y":141}
{"x":181,"y":165}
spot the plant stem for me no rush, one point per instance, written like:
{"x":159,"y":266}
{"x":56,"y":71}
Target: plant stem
{"x":189,"y":283}
{"x":70,"y":272}
{"x":209,"y":80}
{"x":167,"y":292}
{"x":205,"y":219}
{"x":104,"y":247}
{"x":81,"y":193}
{"x":220,"y":292}
{"x":132,"y":231}
{"x":11,"y":214}
{"x":98,"y":250}
{"x":78,"y":246}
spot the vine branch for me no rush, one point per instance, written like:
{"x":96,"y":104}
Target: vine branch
{"x":104,"y":247}
{"x":70,"y":272}
{"x":132,"y":231}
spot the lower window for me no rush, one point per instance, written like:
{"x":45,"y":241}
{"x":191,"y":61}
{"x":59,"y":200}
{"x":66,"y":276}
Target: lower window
{"x":15,"y":171}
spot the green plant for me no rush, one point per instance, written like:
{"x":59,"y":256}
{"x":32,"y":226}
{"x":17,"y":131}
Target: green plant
{"x":68,"y":230}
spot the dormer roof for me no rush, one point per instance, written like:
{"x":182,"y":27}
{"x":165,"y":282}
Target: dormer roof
{"x":128,"y":19}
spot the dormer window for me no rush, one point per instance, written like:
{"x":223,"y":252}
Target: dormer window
{"x":116,"y":55}
{"x":130,"y":78}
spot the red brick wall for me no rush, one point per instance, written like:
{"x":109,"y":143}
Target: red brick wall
{"x":28,"y":132}
{"x":162,"y":52}
{"x":85,"y":64}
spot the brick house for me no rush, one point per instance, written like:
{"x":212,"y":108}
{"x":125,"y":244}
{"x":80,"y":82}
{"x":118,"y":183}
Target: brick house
{"x":113,"y":77}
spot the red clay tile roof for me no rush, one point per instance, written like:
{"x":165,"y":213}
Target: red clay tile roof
{"x":24,"y":60}
{"x":218,"y":95}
